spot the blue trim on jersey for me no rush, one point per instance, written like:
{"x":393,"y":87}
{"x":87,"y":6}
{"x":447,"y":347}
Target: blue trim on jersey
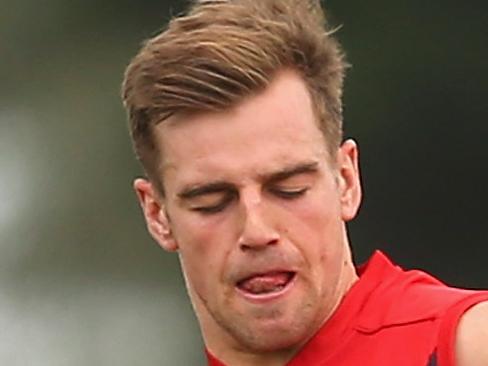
{"x":433,"y":360}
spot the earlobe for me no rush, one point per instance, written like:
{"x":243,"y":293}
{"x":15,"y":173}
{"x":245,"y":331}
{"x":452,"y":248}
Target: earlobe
{"x":349,"y":179}
{"x":157,"y":220}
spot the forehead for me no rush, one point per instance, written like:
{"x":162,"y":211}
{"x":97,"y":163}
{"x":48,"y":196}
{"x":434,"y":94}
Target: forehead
{"x":274,"y":128}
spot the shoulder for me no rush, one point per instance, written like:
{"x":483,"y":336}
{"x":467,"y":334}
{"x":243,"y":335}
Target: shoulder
{"x":472,"y":337}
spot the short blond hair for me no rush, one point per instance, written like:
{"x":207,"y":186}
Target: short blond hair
{"x":222,"y":51}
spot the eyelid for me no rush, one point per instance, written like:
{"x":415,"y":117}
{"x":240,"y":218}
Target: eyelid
{"x":292,"y":184}
{"x":290,"y":189}
{"x":214,"y":208}
{"x":290,"y":192}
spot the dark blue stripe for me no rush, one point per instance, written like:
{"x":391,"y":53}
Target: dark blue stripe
{"x":433,"y":360}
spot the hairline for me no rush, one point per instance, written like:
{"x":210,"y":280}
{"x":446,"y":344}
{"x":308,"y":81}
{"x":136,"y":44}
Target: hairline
{"x":157,"y":180}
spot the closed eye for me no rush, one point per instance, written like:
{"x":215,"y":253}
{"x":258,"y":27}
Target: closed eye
{"x":213,"y":208}
{"x":289,"y":193}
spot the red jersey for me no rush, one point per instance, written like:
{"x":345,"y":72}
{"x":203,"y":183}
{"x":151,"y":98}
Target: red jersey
{"x":389,"y":317}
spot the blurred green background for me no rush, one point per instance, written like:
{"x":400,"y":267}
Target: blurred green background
{"x":81,"y":283}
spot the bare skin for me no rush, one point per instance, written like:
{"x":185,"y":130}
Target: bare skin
{"x":472,"y":337}
{"x":256,"y":208}
{"x":253,"y":192}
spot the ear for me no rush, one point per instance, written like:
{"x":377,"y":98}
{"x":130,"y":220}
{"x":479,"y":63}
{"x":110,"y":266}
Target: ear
{"x":349,"y":179}
{"x":155,"y":214}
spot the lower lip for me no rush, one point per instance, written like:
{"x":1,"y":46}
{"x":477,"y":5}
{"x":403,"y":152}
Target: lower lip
{"x":272,"y":296}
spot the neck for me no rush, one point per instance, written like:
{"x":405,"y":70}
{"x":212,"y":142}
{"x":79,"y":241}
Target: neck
{"x":236,"y":358}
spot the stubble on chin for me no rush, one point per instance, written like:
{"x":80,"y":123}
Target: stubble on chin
{"x":265,"y":331}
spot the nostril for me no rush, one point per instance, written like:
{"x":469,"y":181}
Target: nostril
{"x":253,"y":245}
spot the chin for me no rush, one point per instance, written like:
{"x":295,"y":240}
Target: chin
{"x":262,"y":336}
{"x":274,"y":341}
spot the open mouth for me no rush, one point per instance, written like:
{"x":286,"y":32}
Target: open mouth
{"x":266,"y":283}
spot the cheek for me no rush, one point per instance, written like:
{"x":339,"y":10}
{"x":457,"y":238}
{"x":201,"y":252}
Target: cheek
{"x":202,"y":247}
{"x":315,"y":228}
{"x":317,"y":217}
{"x":202,"y":234}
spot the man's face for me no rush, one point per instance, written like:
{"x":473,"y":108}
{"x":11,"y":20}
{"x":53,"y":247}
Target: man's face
{"x":256,"y":210}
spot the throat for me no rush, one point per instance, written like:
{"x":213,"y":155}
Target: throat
{"x":245,"y":358}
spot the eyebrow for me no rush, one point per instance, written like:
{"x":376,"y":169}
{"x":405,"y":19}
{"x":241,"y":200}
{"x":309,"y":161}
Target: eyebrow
{"x":302,"y":168}
{"x":213,"y":187}
{"x":221,"y":186}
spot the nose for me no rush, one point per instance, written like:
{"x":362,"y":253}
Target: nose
{"x":257,"y":232}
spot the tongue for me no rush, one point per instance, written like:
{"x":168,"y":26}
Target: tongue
{"x":265,"y":283}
